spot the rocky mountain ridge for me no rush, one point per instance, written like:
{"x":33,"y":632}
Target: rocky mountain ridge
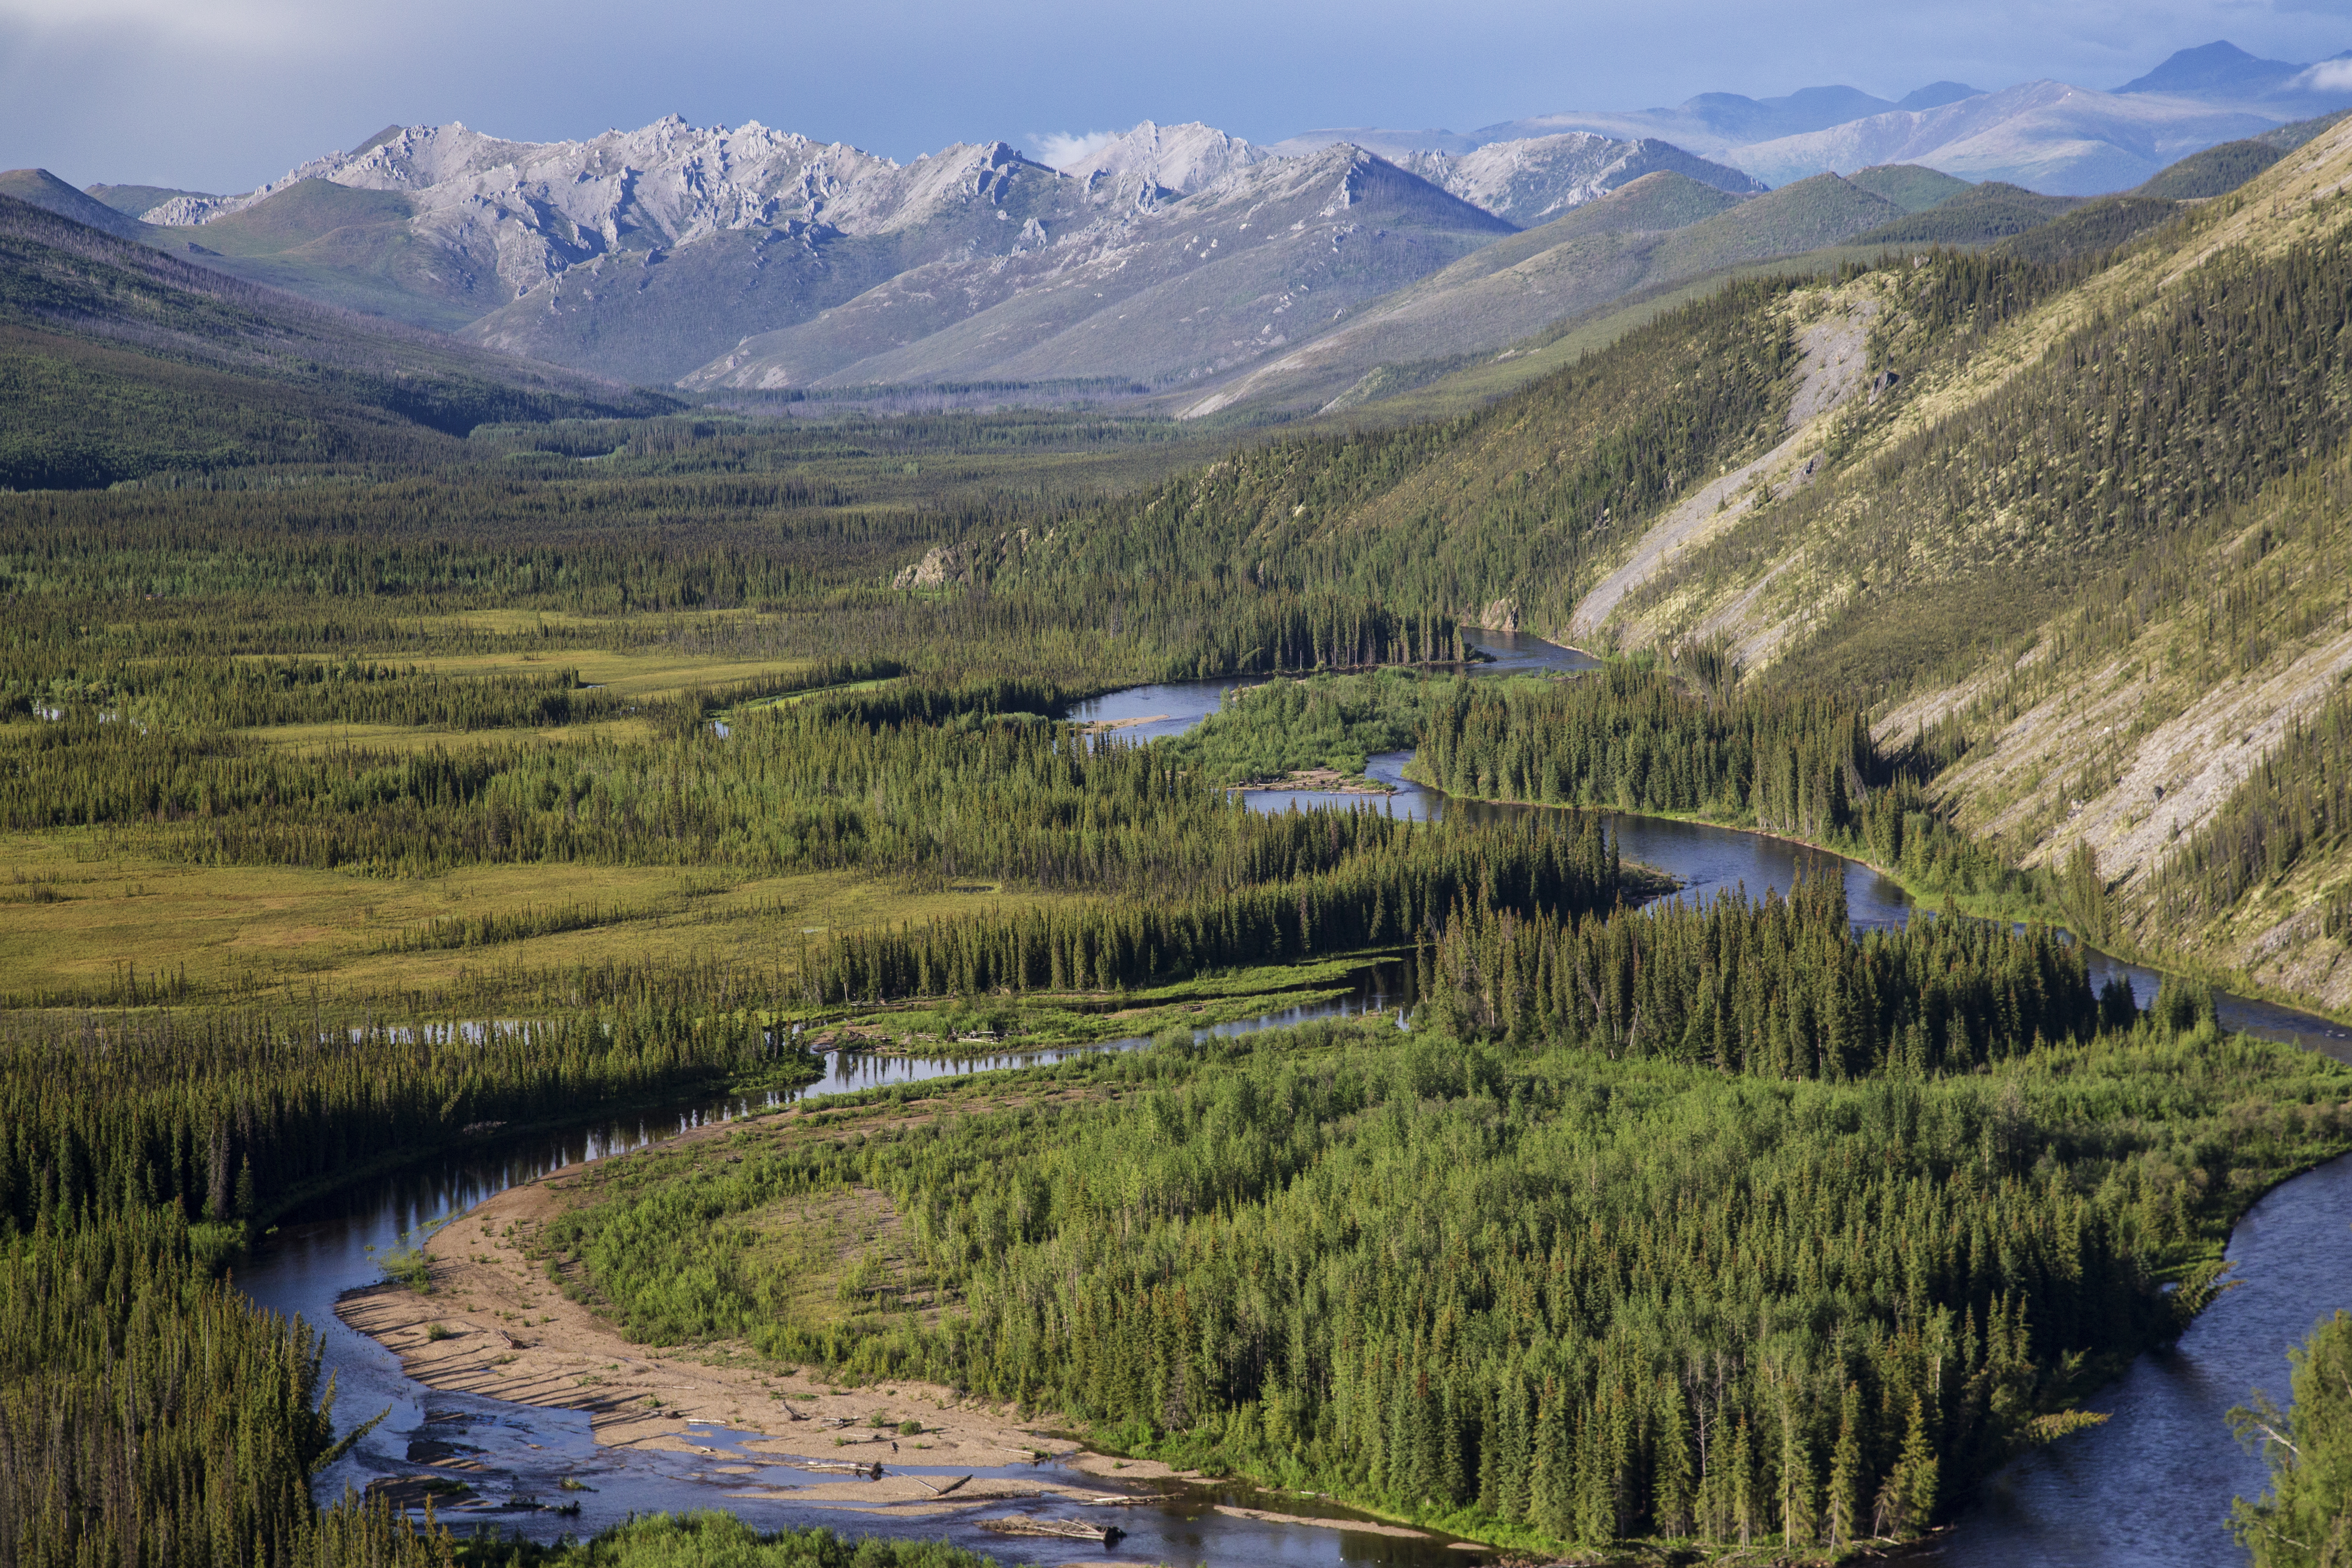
{"x":750,"y":258}
{"x":1237,"y":269}
{"x":675,"y":252}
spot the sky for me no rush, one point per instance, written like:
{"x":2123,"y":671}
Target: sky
{"x":221,"y":95}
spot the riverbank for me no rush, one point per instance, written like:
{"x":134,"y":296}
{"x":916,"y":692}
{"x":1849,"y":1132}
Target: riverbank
{"x":1979,"y":906}
{"x":727,"y":1414}
{"x":495,"y":1321}
{"x":1317,"y":781}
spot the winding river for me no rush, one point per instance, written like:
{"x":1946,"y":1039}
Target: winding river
{"x":2151,"y":1486}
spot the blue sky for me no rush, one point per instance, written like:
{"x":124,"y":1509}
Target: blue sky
{"x":222,"y":94}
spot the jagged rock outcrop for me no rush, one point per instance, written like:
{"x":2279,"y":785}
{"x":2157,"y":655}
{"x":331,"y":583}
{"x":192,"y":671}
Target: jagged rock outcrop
{"x":1152,"y":164}
{"x":1255,"y":259}
{"x":943,"y":564}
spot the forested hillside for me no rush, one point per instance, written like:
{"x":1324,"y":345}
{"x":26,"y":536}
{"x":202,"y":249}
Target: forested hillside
{"x":2072,"y":499}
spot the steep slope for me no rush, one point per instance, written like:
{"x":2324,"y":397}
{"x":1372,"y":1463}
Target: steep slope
{"x":530,"y":243}
{"x":2077,"y":525}
{"x":1653,"y":232}
{"x":2089,"y":539}
{"x":1527,"y":179}
{"x":650,"y":253}
{"x":1184,"y":290}
{"x":662,"y":312}
{"x":119,"y":361}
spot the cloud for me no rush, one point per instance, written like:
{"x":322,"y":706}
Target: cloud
{"x":1060,"y":149}
{"x":2328,"y":75}
{"x":264,"y":25}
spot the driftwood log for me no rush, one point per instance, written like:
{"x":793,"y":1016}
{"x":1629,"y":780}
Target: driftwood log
{"x":1059,"y":1528}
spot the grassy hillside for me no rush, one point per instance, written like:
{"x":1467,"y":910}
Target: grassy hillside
{"x":1910,"y":186}
{"x":332,"y":246}
{"x":348,"y":248}
{"x":1975,"y":215}
{"x":40,"y":188}
{"x":122,"y":362}
{"x":2215,"y":172}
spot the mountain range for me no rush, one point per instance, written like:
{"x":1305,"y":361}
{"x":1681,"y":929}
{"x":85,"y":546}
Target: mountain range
{"x":1176,"y":262}
{"x":2054,"y":137}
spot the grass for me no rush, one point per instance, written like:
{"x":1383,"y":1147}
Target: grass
{"x":89,"y":910}
{"x":642,"y":675}
{"x":88,"y":918}
{"x":1040,"y":1020}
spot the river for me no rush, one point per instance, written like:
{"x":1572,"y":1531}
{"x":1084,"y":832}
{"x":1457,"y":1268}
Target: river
{"x":2151,"y":1486}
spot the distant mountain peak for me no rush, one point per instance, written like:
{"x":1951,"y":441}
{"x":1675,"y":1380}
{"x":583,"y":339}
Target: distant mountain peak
{"x":2220,"y":65}
{"x":1532,"y":180}
{"x":40,"y":188}
{"x":1148,"y":164}
{"x":1936,"y":94}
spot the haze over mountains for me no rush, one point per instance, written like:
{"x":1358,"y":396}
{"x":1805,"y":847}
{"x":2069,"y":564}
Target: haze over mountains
{"x":1175,"y":261}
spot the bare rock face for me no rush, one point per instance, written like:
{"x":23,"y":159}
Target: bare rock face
{"x":943,"y":564}
{"x":1152,"y":164}
{"x":1535,"y":178}
{"x":747,"y":257}
{"x":542,"y":207}
{"x":1500,"y":614}
{"x":1164,"y":291}
{"x":940,"y":564}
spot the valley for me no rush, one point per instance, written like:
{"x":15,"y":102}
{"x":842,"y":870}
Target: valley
{"x":1391,"y":847}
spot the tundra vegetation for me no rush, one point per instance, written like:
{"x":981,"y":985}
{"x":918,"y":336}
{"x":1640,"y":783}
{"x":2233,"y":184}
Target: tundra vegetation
{"x":338,"y":722}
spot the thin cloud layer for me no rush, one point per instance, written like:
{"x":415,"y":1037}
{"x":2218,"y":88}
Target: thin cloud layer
{"x":1060,"y":149}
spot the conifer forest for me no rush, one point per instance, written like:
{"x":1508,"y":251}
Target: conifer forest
{"x":401,"y":758}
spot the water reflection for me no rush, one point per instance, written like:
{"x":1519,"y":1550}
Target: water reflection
{"x":1171,"y":707}
{"x":318,"y":1253}
{"x":1523,"y":653}
{"x":1151,"y":713}
{"x":2151,"y":1489}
